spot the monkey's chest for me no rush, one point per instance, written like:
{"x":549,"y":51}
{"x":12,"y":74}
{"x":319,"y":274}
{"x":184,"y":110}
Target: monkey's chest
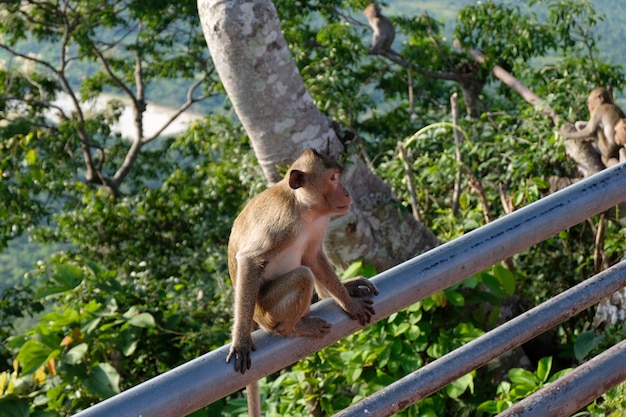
{"x":302,"y":246}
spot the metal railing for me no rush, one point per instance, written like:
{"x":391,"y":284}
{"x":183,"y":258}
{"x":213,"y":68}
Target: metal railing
{"x":208,"y":378}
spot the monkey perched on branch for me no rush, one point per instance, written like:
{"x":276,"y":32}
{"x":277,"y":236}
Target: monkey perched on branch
{"x":383,"y":30}
{"x":276,"y":259}
{"x":604,"y":115}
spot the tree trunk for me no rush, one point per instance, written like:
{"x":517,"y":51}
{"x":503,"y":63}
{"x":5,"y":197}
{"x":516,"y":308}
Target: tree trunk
{"x":260,"y":77}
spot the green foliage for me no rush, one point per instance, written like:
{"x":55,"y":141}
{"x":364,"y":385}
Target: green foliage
{"x":65,"y":362}
{"x":521,"y":384}
{"x":611,"y":404}
{"x":50,"y":151}
{"x":141,"y":285}
{"x":504,"y":33}
{"x":158,"y":295}
{"x":366,"y":362}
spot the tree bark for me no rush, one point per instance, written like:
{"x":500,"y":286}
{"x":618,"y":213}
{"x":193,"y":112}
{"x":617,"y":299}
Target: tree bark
{"x":262,"y":81}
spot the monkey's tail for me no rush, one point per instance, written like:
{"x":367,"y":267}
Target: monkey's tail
{"x":254,"y":399}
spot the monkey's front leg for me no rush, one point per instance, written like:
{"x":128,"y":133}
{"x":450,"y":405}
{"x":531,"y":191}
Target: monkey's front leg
{"x":573,"y":132}
{"x":247,"y":285}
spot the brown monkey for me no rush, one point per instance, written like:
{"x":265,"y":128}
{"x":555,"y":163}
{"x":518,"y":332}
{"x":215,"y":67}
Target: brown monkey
{"x":384,"y":32}
{"x":620,"y":139}
{"x":604,"y":115}
{"x":276,"y":259}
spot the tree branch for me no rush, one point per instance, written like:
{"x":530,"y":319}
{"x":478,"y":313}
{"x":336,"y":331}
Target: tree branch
{"x":184,"y":107}
{"x":587,"y":160}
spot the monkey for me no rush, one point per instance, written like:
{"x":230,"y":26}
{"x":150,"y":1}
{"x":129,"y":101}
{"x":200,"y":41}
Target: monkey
{"x":384,"y":32}
{"x":276,"y":259}
{"x":620,"y":139}
{"x":604,"y":115}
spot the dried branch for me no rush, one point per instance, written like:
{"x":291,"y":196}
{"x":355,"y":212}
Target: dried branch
{"x":458,"y":139}
{"x":410,"y":180}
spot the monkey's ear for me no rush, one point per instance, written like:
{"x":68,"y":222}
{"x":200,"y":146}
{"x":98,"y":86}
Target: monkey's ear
{"x":296,"y":179}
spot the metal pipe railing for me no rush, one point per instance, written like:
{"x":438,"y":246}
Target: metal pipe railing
{"x":208,"y":378}
{"x":566,"y":395}
{"x":439,"y":373}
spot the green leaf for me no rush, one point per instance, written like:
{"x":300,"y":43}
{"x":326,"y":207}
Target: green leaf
{"x":369,"y":271}
{"x":103,"y":381}
{"x":91,"y":325}
{"x":354,"y":373}
{"x":436,"y":351}
{"x":465,"y":201}
{"x":11,"y":407}
{"x":585,"y":343}
{"x":57,"y":320}
{"x":129,"y":348}
{"x":31,"y":157}
{"x":458,"y":387}
{"x":69,"y":276}
{"x":132,"y":311}
{"x":400,"y":328}
{"x":76,"y":354}
{"x":455,"y":298}
{"x":428,"y":412}
{"x":66,"y":278}
{"x":506,"y":278}
{"x":560,"y":374}
{"x":490,"y":407}
{"x":353,"y":270}
{"x":494,"y":407}
{"x":413,"y":333}
{"x":521,"y":376}
{"x":414,"y":307}
{"x":543,"y":368}
{"x":392,"y":317}
{"x":494,"y":284}
{"x":144,"y":320}
{"x":34,"y":354}
{"x":470,"y":282}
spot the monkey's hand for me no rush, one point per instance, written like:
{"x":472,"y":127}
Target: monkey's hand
{"x":242,"y":352}
{"x":360,"y":309}
{"x":567,"y":128}
{"x":359,"y":287}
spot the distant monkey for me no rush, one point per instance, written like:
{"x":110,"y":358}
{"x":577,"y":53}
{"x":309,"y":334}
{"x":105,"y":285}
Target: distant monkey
{"x":384,"y":32}
{"x":604,"y":115}
{"x":620,"y":139}
{"x":276,"y":260}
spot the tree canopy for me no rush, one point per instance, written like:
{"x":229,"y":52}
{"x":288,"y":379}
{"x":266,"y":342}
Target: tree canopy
{"x":137,"y":283}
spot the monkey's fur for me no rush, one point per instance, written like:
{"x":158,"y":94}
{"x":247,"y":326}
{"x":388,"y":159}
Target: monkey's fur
{"x":383,"y":30}
{"x":620,"y":139}
{"x":604,"y":115}
{"x":276,"y":260}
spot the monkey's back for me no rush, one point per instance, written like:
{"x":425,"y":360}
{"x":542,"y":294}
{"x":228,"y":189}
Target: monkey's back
{"x":266,"y":224}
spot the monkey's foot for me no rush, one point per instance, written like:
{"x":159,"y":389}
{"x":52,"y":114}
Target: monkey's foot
{"x":312,"y":327}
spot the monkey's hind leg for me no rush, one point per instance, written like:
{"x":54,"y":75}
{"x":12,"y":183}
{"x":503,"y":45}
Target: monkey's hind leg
{"x":285,"y":301}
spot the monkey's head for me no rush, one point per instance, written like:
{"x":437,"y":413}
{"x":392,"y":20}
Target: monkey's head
{"x":598,"y":96}
{"x":372,"y":10}
{"x":315,"y":180}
